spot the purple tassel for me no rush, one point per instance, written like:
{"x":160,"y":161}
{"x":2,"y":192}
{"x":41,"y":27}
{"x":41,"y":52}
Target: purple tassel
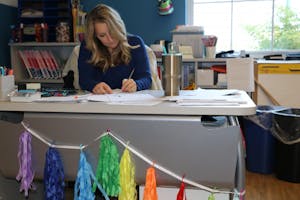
{"x":54,"y":176}
{"x":25,"y":174}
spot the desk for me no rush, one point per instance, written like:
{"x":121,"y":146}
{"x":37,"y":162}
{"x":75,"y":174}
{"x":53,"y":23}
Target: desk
{"x":174,"y":136}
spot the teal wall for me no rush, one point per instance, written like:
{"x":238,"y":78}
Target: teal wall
{"x":8,"y":16}
{"x":140,"y":17}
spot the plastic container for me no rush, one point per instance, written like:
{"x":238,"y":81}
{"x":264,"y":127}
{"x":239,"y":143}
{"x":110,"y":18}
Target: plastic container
{"x":260,"y":143}
{"x":62,"y":32}
{"x":286,"y":128}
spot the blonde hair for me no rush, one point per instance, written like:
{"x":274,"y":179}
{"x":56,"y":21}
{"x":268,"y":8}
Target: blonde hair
{"x":100,"y":55}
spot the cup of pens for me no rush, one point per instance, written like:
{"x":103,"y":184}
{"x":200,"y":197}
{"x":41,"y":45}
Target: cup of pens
{"x":209,"y":42}
{"x":7,"y":83}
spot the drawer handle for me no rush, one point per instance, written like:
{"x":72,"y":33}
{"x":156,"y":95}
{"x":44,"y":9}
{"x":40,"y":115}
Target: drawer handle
{"x":270,"y":67}
{"x":294,"y":69}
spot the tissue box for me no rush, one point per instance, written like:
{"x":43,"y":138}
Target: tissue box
{"x":7,"y":85}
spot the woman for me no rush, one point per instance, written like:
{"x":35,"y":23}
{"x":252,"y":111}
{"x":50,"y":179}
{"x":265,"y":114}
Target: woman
{"x":109,"y":58}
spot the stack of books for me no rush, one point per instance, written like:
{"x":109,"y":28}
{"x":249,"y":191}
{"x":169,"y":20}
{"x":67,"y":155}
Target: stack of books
{"x":40,"y":64}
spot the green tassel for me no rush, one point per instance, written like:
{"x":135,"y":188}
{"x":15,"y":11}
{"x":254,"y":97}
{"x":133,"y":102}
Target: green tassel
{"x":211,"y":197}
{"x":108,"y":169}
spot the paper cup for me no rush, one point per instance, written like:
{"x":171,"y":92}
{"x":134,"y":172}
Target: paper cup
{"x":210,"y":52}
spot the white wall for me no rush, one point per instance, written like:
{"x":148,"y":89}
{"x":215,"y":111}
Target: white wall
{"x":13,"y":3}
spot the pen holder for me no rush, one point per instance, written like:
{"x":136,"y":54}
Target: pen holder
{"x":210,"y":52}
{"x":7,"y":85}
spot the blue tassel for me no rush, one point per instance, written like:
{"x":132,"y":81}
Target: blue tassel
{"x":83,"y":183}
{"x":54,"y":176}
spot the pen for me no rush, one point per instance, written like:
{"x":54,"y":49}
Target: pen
{"x":2,"y":71}
{"x":131,"y":73}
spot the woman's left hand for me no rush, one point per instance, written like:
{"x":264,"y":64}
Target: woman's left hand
{"x":128,"y":85}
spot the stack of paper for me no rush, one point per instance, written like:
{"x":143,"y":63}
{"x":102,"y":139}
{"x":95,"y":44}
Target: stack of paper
{"x":126,"y":98}
{"x":24,"y":96}
{"x":210,"y":97}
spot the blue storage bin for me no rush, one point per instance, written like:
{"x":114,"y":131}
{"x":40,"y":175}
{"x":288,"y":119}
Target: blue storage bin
{"x":260,"y":143}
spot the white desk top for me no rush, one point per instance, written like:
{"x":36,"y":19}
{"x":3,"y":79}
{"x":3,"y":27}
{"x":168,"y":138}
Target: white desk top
{"x":163,"y":108}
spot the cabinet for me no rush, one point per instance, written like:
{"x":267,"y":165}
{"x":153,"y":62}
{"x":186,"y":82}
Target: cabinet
{"x":50,"y":12}
{"x":60,"y":52}
{"x":277,"y":83}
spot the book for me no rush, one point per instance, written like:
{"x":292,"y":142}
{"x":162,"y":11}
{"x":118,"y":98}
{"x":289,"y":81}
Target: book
{"x":41,"y":64}
{"x":26,"y":63}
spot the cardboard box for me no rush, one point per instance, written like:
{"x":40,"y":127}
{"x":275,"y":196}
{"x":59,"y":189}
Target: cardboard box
{"x":205,"y":77}
{"x":189,"y":39}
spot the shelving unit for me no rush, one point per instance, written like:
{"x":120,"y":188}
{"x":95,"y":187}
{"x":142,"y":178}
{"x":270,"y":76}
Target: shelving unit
{"x":61,"y":52}
{"x":51,"y":12}
{"x":189,"y":75}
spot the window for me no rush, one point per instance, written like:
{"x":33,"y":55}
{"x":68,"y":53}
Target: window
{"x":251,"y":25}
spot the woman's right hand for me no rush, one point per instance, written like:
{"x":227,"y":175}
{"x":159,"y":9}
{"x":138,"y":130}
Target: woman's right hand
{"x":102,"y":88}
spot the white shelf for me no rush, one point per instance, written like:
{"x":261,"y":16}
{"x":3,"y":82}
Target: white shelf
{"x":44,"y":44}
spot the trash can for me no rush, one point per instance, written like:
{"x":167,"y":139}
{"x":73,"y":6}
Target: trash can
{"x":260,"y":143}
{"x":286,"y":128}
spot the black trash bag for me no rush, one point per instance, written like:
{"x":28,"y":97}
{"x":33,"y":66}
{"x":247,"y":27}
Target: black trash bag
{"x":264,"y":116}
{"x":286,"y":125}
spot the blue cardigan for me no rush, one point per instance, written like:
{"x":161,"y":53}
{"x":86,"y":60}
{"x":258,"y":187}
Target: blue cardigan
{"x":89,"y":75}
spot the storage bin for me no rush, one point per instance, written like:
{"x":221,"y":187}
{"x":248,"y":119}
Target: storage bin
{"x":260,"y":143}
{"x":286,"y":128}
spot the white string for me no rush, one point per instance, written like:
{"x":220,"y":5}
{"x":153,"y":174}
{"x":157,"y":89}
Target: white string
{"x":134,"y":151}
{"x":163,"y":169}
{"x":47,"y":142}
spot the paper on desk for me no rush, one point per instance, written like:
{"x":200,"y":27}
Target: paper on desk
{"x":126,"y":98}
{"x":209,"y":97}
{"x":203,"y":94}
{"x":240,"y":74}
{"x":69,"y":98}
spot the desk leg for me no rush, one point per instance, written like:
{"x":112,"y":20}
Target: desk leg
{"x":240,"y":170}
{"x":240,"y":167}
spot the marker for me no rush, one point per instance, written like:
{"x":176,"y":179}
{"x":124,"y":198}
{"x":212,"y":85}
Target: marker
{"x":2,"y":71}
{"x":131,"y":73}
{"x":10,"y":72}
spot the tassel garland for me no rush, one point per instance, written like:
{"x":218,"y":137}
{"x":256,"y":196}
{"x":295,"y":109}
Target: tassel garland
{"x":83,"y":183}
{"x":118,"y":180}
{"x":127,"y":177}
{"x":54,"y":176}
{"x":25,"y":174}
{"x":150,"y":192}
{"x":108,"y":170}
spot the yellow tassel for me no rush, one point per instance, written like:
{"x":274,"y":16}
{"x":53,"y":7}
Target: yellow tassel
{"x":127,"y":177}
{"x":150,"y":192}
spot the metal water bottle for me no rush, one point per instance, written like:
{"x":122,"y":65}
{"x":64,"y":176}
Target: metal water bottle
{"x":171,"y":72}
